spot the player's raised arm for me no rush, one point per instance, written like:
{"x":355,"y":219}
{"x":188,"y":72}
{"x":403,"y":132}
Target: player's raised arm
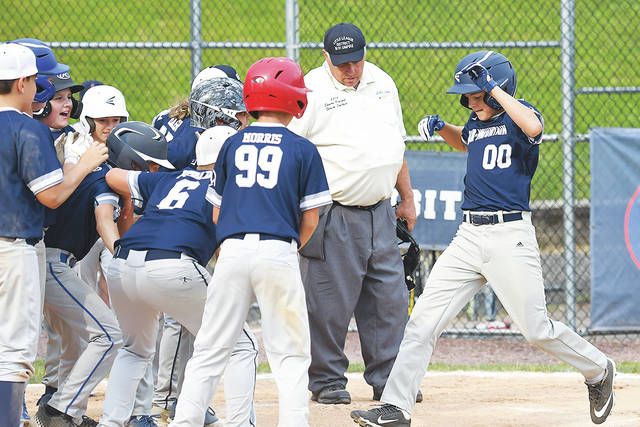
{"x":54,"y":196}
{"x":117,"y":179}
{"x":523,"y":116}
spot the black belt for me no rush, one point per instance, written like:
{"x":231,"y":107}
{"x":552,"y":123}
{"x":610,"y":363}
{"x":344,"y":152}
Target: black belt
{"x":151,"y":254}
{"x":262,"y":236}
{"x":363,"y":208}
{"x":488,"y":219}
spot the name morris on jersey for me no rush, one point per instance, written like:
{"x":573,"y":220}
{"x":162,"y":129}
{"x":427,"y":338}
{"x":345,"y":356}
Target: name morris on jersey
{"x":476,"y":134}
{"x":262,"y":137}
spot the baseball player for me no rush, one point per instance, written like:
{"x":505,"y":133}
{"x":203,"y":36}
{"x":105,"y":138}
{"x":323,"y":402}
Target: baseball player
{"x":48,"y":66}
{"x":87,"y":327}
{"x":56,"y":113}
{"x":175,"y":123}
{"x":31,"y":178}
{"x":215,"y":100}
{"x":496,"y":242}
{"x":154,"y":272}
{"x":269,"y":184}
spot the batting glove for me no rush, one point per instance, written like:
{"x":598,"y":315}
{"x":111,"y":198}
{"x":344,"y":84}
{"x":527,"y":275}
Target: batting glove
{"x":428,"y":125}
{"x":75,"y":144}
{"x":480,"y":76}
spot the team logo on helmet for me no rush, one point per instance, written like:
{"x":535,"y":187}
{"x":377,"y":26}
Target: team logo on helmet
{"x":63,"y":76}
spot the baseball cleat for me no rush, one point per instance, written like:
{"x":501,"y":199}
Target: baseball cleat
{"x":381,"y":416}
{"x":601,"y":395}
{"x":210,"y":418}
{"x":46,"y":416}
{"x":142,"y":421}
{"x":332,"y":395}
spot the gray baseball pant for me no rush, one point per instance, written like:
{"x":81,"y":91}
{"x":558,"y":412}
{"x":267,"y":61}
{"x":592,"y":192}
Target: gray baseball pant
{"x":352,"y":266}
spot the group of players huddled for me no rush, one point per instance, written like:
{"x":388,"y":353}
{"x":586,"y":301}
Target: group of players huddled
{"x":109,"y":228}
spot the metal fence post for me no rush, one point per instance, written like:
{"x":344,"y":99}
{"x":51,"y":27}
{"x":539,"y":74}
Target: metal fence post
{"x":567,"y":25}
{"x":293,"y":29}
{"x":196,"y":37}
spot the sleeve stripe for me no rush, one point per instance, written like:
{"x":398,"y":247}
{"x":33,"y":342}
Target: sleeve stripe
{"x":214,"y":197}
{"x":315,"y":200}
{"x":134,"y":189}
{"x":46,"y":181}
{"x":210,"y":197}
{"x":107,"y":198}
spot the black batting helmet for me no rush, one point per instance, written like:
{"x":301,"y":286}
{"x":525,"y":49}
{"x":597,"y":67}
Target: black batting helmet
{"x":132,"y":144}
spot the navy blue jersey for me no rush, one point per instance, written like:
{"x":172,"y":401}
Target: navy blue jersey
{"x":75,"y":227}
{"x":55,"y":133}
{"x":265,"y":176}
{"x":50,"y":214}
{"x":500,"y":164}
{"x":28,"y":165}
{"x":177,"y":216}
{"x":182,"y":139}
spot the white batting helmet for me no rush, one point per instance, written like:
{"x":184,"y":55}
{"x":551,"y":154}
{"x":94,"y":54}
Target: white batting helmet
{"x":102,"y":101}
{"x":210,"y":142}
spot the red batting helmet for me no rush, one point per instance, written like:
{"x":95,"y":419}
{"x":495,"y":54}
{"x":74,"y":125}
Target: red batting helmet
{"x":275,"y":84}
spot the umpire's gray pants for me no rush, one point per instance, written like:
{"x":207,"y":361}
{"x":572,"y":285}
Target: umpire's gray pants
{"x":74,"y":309}
{"x":352,"y":265}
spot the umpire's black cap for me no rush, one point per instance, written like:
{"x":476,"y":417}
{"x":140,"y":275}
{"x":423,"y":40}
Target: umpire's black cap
{"x":344,"y":42}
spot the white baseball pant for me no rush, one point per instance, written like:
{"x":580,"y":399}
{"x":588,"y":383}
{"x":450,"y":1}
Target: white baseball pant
{"x":140,"y":291}
{"x":267,"y":271}
{"x":507,"y":256}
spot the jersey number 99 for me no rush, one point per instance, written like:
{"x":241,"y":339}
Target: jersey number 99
{"x":258,"y":165}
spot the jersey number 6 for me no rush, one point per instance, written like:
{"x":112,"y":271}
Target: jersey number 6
{"x":258,"y":165}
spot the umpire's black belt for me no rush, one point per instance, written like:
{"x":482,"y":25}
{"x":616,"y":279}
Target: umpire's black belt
{"x":151,"y":254}
{"x":362,"y":208}
{"x":488,"y":219}
{"x":262,"y":236}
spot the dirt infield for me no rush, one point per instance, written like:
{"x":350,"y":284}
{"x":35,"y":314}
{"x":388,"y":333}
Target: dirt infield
{"x":457,"y":399}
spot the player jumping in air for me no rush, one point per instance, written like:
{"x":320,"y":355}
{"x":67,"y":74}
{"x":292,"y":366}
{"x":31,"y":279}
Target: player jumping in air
{"x":495,"y":243}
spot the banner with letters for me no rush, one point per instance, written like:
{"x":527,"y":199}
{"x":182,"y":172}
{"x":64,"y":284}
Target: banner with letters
{"x":437,"y":181}
{"x":615,"y":229}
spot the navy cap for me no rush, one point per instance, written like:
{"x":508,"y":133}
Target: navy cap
{"x":344,"y":42}
{"x":64,"y":81}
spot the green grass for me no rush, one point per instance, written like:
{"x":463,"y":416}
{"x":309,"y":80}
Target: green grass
{"x":152,"y":80}
{"x":263,"y":368}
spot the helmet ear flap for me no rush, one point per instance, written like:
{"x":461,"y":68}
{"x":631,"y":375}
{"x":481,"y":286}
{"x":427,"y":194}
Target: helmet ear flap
{"x":76,"y":108}
{"x":464,"y":101}
{"x":43,"y":112}
{"x":92,"y":124}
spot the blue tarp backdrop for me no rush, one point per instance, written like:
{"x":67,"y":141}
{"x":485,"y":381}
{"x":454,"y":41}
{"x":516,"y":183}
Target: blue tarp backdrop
{"x":615,"y":229}
{"x":437,"y":181}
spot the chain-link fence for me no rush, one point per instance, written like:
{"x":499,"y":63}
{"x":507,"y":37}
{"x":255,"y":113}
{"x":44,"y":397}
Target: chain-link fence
{"x":576,"y":62}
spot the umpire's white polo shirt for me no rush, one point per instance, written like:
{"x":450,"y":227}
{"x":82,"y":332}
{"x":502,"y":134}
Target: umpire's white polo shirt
{"x":359,"y":133}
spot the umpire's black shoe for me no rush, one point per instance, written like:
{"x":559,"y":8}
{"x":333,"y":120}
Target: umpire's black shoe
{"x":601,"y":395}
{"x":377,"y":394}
{"x":332,"y":395}
{"x":381,"y":416}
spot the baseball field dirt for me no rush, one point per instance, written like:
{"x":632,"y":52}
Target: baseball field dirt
{"x":462,"y":399}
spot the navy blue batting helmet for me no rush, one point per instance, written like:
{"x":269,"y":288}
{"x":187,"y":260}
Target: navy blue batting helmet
{"x":46,"y":61}
{"x":498,"y":66}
